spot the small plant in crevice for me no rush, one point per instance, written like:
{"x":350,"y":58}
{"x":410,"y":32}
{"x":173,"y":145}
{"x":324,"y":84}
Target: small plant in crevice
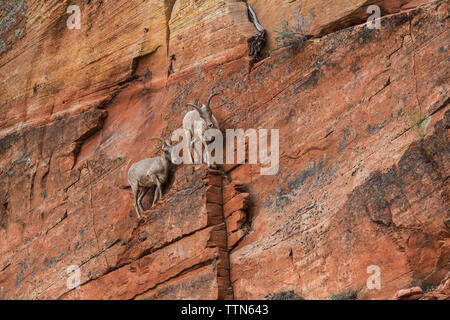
{"x":418,"y":123}
{"x":294,"y":36}
{"x":426,"y":287}
{"x":349,"y":295}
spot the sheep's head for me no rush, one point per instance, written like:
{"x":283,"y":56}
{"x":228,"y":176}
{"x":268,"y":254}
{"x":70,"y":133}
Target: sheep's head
{"x":165,"y":146}
{"x":205,"y":113}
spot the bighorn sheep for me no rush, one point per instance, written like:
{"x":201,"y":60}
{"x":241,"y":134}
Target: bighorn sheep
{"x":205,"y":120}
{"x":147,"y":173}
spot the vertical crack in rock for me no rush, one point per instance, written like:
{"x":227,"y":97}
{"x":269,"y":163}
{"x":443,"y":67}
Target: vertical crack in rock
{"x":91,"y":205}
{"x":419,"y":105}
{"x":214,"y":182}
{"x":33,"y":178}
{"x":235,"y":204}
{"x":98,"y":119}
{"x":169,"y":8}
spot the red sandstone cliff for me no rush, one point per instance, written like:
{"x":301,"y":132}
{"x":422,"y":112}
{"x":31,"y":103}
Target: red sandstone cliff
{"x":356,"y":187}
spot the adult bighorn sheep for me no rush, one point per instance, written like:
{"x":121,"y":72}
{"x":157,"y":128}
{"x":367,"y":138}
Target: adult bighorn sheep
{"x":147,"y":173}
{"x":197,"y":121}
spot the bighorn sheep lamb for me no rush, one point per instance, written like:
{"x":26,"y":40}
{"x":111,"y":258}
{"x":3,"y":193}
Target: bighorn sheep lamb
{"x":205,"y":120}
{"x":149,"y":172}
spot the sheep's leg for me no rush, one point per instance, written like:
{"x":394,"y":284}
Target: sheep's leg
{"x":141,"y":195}
{"x":138,"y":194}
{"x":193,"y":147}
{"x":158,"y":192}
{"x":135,"y":189}
{"x":156,"y":196}
{"x":189,"y":142}
{"x":195,"y":150}
{"x":207,"y":158}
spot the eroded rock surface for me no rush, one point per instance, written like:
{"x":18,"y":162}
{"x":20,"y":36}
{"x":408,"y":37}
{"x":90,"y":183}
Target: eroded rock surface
{"x":356,"y":187}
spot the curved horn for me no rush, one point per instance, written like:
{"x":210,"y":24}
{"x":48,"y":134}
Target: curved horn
{"x":210,"y":98}
{"x":194,"y":106}
{"x":158,"y":139}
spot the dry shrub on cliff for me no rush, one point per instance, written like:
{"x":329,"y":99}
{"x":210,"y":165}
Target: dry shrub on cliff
{"x":427,"y":287}
{"x":350,"y":295}
{"x":284,"y":295}
{"x":291,"y":37}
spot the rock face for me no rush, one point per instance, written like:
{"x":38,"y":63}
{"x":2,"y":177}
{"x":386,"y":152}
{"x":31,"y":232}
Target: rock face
{"x":441,"y":292}
{"x":358,"y":185}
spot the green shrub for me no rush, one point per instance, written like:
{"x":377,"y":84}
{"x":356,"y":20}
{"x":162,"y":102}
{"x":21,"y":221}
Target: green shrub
{"x":418,"y":123}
